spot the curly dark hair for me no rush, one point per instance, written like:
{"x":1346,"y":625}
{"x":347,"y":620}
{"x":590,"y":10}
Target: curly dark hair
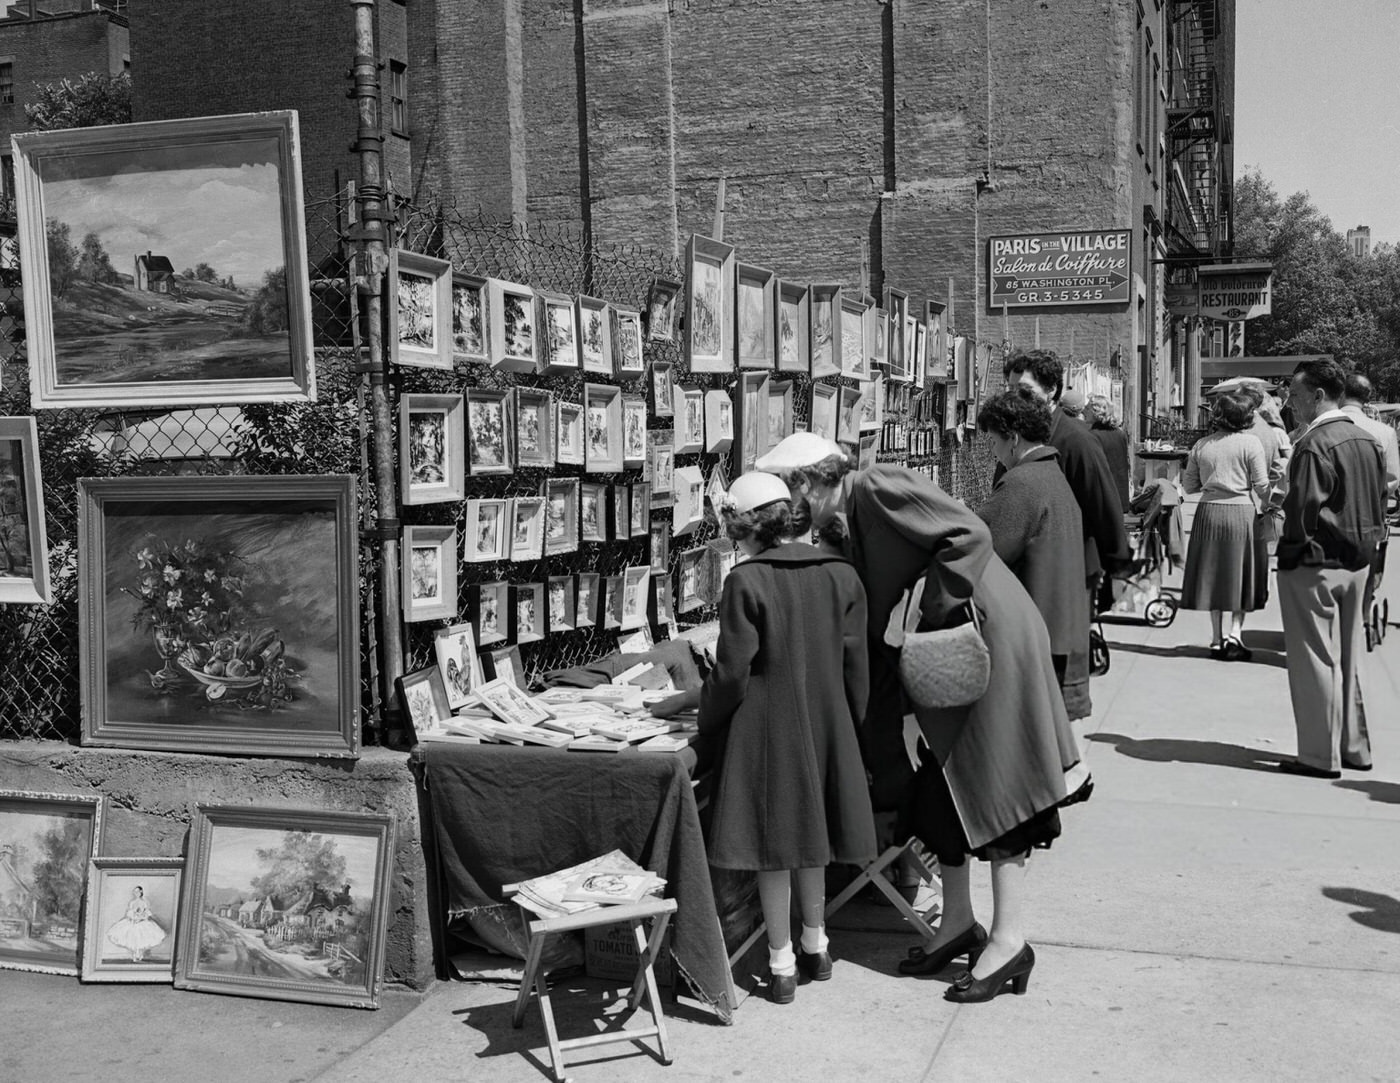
{"x":1014,"y":414}
{"x":1325,"y":375}
{"x":1043,"y":365}
{"x":767,"y":525}
{"x":1232,"y":411}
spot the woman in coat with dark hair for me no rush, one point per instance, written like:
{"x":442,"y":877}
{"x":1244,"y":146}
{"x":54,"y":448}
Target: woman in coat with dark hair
{"x":994,"y":772}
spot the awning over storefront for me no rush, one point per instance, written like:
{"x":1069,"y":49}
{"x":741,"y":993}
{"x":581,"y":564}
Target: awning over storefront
{"x":1214,"y":369}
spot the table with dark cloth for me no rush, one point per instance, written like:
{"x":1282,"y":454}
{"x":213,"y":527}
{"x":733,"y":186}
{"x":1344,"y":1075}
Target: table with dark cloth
{"x":499,"y":814}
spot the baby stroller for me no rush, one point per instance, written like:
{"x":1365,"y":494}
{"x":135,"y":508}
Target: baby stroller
{"x":1155,"y":533}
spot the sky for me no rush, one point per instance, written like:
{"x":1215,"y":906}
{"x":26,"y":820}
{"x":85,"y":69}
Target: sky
{"x":1317,"y":105}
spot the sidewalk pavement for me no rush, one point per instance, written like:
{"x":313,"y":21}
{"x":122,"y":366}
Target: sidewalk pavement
{"x":1203,"y":917}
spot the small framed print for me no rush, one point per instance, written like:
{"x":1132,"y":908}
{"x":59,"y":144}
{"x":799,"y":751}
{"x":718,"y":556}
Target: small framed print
{"x":719,"y":422}
{"x":780,"y":411}
{"x":486,"y":535}
{"x":526,"y":528}
{"x":868,"y":449}
{"x":715,"y":491}
{"x":824,"y":304}
{"x":602,"y":418}
{"x":528,"y":611}
{"x":794,"y":329}
{"x":877,"y":339}
{"x":872,"y":404}
{"x":507,"y":665}
{"x":848,"y":416}
{"x":514,"y":343}
{"x":423,"y":696}
{"x":920,"y":355}
{"x":489,"y":605}
{"x":432,"y":462}
{"x":586,"y":610}
{"x":429,"y":561}
{"x":634,"y":431}
{"x":663,"y":611}
{"x":904,"y":370}
{"x":621,"y":512}
{"x":611,"y":608}
{"x":755,"y":305}
{"x":709,"y":335}
{"x":688,"y":512}
{"x":899,"y":346}
{"x":560,"y":515}
{"x":558,"y":321}
{"x":660,"y":547}
{"x":627,"y":342}
{"x":420,"y":315}
{"x":690,"y":579}
{"x":24,"y":577}
{"x":468,"y":319}
{"x":640,"y":499}
{"x":823,"y":410}
{"x":662,"y":388}
{"x":534,"y":417}
{"x":663,"y":300}
{"x":595,"y":335}
{"x":634,"y":596}
{"x":723,"y":556}
{"x":488,"y":432}
{"x":593,"y":511}
{"x":937,"y":364}
{"x":568,"y":433}
{"x":562,"y":598}
{"x":751,"y":439}
{"x":458,"y":663}
{"x":130,"y":910}
{"x":855,"y":354}
{"x":508,"y":702}
{"x":663,"y":467}
{"x":690,"y":420}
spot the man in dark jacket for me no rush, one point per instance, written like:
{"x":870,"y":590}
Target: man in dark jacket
{"x":1334,"y":517}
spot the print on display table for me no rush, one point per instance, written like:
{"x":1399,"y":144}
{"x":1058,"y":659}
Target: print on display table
{"x":194,"y":236}
{"x":455,"y":649}
{"x":420,"y":310}
{"x":24,"y":549}
{"x":130,"y":912}
{"x":220,"y":614}
{"x":286,"y":904}
{"x":423,"y":697}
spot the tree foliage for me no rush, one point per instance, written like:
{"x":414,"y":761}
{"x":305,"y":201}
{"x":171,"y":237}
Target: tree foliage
{"x":58,"y":875}
{"x":89,"y":100}
{"x":64,"y":256}
{"x":299,"y":861}
{"x":94,"y":265}
{"x":267,"y":315}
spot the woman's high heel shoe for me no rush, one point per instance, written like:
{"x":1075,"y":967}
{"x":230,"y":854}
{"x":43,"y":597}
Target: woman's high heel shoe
{"x":970,"y":942}
{"x":970,"y":990}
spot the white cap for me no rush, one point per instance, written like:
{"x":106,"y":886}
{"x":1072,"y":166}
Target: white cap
{"x":754,"y":490}
{"x":799,"y":450}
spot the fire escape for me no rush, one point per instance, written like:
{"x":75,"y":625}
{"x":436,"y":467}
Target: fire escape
{"x":1198,"y":128}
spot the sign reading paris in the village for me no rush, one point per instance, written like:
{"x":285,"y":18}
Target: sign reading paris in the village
{"x":1034,"y":270}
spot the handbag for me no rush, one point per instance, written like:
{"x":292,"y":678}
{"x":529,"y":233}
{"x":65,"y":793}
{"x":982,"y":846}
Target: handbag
{"x":948,"y":667}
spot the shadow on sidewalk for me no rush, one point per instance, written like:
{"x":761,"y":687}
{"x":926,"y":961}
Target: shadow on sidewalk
{"x":1262,"y":657}
{"x":1381,"y":912}
{"x":1387,"y":793}
{"x":1175,"y":750}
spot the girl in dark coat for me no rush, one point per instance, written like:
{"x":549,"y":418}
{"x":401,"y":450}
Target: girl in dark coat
{"x":789,"y":684}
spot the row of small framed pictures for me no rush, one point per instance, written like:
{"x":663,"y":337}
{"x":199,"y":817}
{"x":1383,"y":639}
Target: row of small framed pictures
{"x":285,"y":904}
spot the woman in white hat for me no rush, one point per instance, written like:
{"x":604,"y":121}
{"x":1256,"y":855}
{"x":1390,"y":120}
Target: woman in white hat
{"x":994,"y":773}
{"x":787,"y":692}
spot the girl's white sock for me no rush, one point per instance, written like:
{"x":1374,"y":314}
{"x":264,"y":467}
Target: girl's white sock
{"x":782,"y":960}
{"x":814,"y":939}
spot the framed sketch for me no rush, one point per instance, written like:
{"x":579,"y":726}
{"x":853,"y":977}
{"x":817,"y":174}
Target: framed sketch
{"x":903,"y":371}
{"x":663,"y":467}
{"x":755,"y":305}
{"x":514,"y":344}
{"x":595,"y":335}
{"x":899,"y":346}
{"x":635,"y":582}
{"x":458,"y":663}
{"x":715,"y":490}
{"x":469,"y":323}
{"x":662,"y":389}
{"x":24,"y":554}
{"x":129,"y":919}
{"x":220,"y":614}
{"x":634,"y":431}
{"x":526,"y":528}
{"x":528,"y":612}
{"x":688,"y":585}
{"x":690,"y":420}
{"x":507,"y":665}
{"x":423,"y":697}
{"x":663,"y":300}
{"x":872,"y":404}
{"x":627,"y":342}
{"x":780,"y":412}
{"x":794,"y":327}
{"x":489,"y":612}
{"x":568,"y":433}
{"x":719,"y":422}
{"x":420,"y":310}
{"x":663,"y":611}
{"x":751,"y":438}
{"x":824,"y":302}
{"x":432,"y":459}
{"x":855,"y":351}
{"x":621,"y":512}
{"x":46,"y":842}
{"x":286,"y":904}
{"x":640,"y":499}
{"x":489,"y":443}
{"x":486,"y":535}
{"x":198,"y":251}
{"x":586,"y":611}
{"x":560,"y":515}
{"x":534,"y":427}
{"x":660,"y":548}
{"x":709,"y":335}
{"x":593,"y":511}
{"x":602,"y":420}
{"x":429,"y":561}
{"x":877,"y":339}
{"x":688,"y":512}
{"x":558,"y":321}
{"x":611,"y":608}
{"x":561,"y":590}
{"x":848,"y":415}
{"x":508,"y":702}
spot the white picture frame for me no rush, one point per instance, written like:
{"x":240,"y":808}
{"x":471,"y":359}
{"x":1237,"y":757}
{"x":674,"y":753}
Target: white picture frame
{"x":486,"y":528}
{"x":458,"y":663}
{"x":515,"y":339}
{"x":419,"y":308}
{"x":429,"y":565}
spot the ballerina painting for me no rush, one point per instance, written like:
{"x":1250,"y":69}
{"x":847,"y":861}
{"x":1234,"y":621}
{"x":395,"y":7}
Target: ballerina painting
{"x":136,"y":932}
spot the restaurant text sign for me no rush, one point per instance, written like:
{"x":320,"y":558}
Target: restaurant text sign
{"x":1088,"y":267}
{"x":1233,"y":292}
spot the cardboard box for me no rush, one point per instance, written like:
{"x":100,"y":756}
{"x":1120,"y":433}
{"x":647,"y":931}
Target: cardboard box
{"x":610,"y":953}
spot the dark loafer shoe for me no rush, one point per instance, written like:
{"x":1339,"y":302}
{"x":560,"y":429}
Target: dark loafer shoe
{"x":815,"y":964}
{"x":782,"y":988}
{"x":1297,"y":767}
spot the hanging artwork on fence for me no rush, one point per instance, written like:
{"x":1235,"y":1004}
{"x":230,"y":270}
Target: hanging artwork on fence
{"x":568,"y":433}
{"x":794,"y":331}
{"x":825,"y":302}
{"x":130,"y":907}
{"x":429,"y":557}
{"x":634,"y":431}
{"x":559,"y":322}
{"x":528,"y":612}
{"x":485,"y":530}
{"x":755,"y":304}
{"x":595,"y":336}
{"x":514,"y":339}
{"x":899,"y":347}
{"x":602,"y":419}
{"x":662,"y":389}
{"x":689,"y":509}
{"x":534,"y":427}
{"x":855,"y":360}
{"x":692,"y":568}
{"x":195,"y":238}
{"x":560,"y":515}
{"x":751,"y":435}
{"x":627,"y":342}
{"x":719,"y":422}
{"x":848,"y":415}
{"x":689,"y":435}
{"x":593,"y":511}
{"x":663,"y":299}
{"x":586,"y":613}
{"x":561,"y":590}
{"x":526,"y":528}
{"x":420,"y":310}
{"x":823,"y":410}
{"x":332,"y":866}
{"x":877,"y":340}
{"x":489,"y":443}
{"x":634,"y":597}
{"x":487,"y":611}
{"x":780,"y":412}
{"x":24,"y":548}
{"x":220,"y":614}
{"x":709,"y":324}
{"x":468,"y":319}
{"x":431,"y":455}
{"x":663,"y":466}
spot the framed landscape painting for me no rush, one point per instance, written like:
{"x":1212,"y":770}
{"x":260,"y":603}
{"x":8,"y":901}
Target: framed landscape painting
{"x":557,"y":317}
{"x":595,"y":336}
{"x":432,"y":462}
{"x":513,"y":339}
{"x":286,"y":904}
{"x":489,"y":443}
{"x":129,"y":922}
{"x":24,"y":550}
{"x":46,"y":842}
{"x":165,"y":263}
{"x":755,"y":304}
{"x":469,"y":318}
{"x":220,"y":614}
{"x":420,"y":310}
{"x":709,"y":325}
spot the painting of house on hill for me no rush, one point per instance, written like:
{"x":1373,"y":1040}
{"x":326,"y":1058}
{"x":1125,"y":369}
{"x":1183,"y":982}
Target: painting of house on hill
{"x":173,"y":262}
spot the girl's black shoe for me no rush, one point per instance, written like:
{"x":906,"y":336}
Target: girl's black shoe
{"x":969,"y":990}
{"x":971,"y":943}
{"x":815,"y":964}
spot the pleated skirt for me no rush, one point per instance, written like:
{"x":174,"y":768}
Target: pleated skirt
{"x":1222,"y":567}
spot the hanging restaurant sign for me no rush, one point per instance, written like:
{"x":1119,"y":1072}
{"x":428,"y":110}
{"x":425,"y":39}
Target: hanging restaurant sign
{"x":1036,"y":270}
{"x":1235,"y":291}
